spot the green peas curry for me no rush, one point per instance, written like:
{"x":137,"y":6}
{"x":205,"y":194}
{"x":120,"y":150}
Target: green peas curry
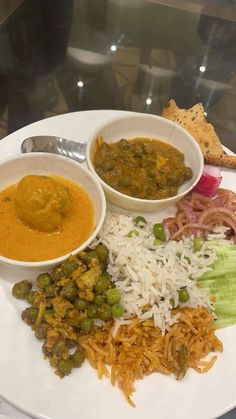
{"x":142,"y":167}
{"x":66,"y":304}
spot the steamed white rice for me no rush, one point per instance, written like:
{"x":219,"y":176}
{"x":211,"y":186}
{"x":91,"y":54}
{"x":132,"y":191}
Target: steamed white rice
{"x":149,"y":276}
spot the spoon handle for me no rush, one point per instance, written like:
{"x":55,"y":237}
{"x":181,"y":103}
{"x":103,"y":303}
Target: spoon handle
{"x":56,"y":145}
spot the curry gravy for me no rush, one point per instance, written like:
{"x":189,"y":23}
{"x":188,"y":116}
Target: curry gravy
{"x":141,"y":167}
{"x":22,"y":243}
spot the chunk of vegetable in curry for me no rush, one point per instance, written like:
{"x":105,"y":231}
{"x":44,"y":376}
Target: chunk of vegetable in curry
{"x":66,"y":303}
{"x":42,"y":202}
{"x":44,"y":217}
{"x":142,"y":167}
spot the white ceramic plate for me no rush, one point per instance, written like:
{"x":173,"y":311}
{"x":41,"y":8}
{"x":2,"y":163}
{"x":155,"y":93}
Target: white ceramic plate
{"x":27,"y":381}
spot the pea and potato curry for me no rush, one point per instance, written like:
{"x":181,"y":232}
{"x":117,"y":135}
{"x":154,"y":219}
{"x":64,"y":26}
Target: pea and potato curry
{"x":66,"y":303}
{"x":141,"y":167}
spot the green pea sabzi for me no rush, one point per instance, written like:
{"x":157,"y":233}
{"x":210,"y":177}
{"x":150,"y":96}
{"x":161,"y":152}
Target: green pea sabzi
{"x":65,"y":304}
{"x":141,"y":167}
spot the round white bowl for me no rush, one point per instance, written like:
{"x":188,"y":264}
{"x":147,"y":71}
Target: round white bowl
{"x":151,"y":126}
{"x":13,"y":169}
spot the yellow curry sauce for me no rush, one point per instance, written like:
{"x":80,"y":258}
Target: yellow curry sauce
{"x":23,"y":243}
{"x":141,"y":167}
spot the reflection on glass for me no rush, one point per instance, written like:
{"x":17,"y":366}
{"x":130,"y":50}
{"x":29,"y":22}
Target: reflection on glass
{"x":132,"y":55}
{"x":148,"y":101}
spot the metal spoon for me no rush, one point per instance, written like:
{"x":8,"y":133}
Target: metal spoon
{"x":55,"y":145}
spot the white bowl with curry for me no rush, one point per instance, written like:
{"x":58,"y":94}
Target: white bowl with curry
{"x":50,"y":207}
{"x":144,"y":162}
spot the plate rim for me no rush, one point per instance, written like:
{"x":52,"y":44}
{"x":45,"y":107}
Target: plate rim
{"x":109,"y":113}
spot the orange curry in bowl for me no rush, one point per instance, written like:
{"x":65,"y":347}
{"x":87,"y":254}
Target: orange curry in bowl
{"x":44,"y":217}
{"x":141,"y":167}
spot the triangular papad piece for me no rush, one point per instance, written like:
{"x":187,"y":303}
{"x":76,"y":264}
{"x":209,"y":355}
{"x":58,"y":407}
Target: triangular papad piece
{"x":194,"y":121}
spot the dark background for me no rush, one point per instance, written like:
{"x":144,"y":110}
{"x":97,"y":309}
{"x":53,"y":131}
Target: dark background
{"x":60,"y":56}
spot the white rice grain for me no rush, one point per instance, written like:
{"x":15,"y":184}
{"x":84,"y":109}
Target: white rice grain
{"x":150,"y":276}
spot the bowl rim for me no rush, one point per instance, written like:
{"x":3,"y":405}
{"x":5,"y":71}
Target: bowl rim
{"x":60,"y":259}
{"x":121,"y":195}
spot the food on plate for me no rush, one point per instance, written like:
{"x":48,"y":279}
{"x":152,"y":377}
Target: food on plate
{"x":67,"y":303}
{"x":139,"y":349}
{"x":219,"y":283}
{"x":200,"y":215}
{"x":159,"y":284}
{"x":209,"y":181}
{"x":153,"y":275}
{"x":194,"y":121}
{"x":141,"y":167}
{"x":44,"y":204}
{"x":146,"y":297}
{"x":154,"y":271}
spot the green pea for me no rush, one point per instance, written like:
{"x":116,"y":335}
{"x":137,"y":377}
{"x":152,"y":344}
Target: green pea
{"x":183,"y":295}
{"x":137,"y":150}
{"x":78,"y":357}
{"x":92,"y":311}
{"x":41,"y":331}
{"x":29,"y":315}
{"x":69,"y":267}
{"x":172,"y":302}
{"x":21,"y":289}
{"x":98,"y":300}
{"x":102,"y":253}
{"x":113,"y":296}
{"x":57,"y":274}
{"x":81,"y":304}
{"x":159,"y":232}
{"x":103,"y":256}
{"x":69,"y":291}
{"x":31,"y":296}
{"x":45,"y":350}
{"x":43,"y":280}
{"x":52,"y":290}
{"x":59,"y":347}
{"x":124,"y":144}
{"x":65,"y":366}
{"x":104,"y":312}
{"x":92,"y":254}
{"x":197,"y":243}
{"x":139,"y":221}
{"x":157,"y":242}
{"x":103,"y":283}
{"x":73,"y":317}
{"x":48,"y":316}
{"x":133,"y":233}
{"x":86,"y":325}
{"x":117,"y":310}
